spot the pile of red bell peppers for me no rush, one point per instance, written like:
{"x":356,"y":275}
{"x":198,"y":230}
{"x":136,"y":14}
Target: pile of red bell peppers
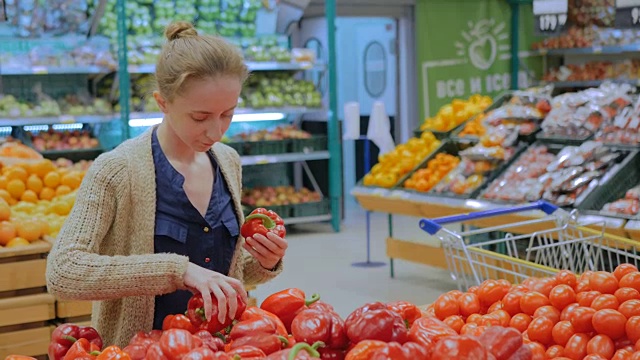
{"x":288,"y":326}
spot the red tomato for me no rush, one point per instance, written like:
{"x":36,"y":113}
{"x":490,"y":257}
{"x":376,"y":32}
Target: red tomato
{"x":495,"y":307}
{"x":562,"y":332}
{"x":576,"y":347}
{"x":455,"y":293}
{"x":631,"y":280}
{"x":520,"y":322}
{"x":537,"y":350}
{"x":624,"y":343}
{"x":490,"y":320}
{"x":566,"y":312}
{"x":594,"y":357}
{"x":490,"y":292}
{"x":473,"y":290}
{"x":561,"y":296}
{"x":468,"y":328}
{"x":544,"y":286}
{"x":604,"y":282}
{"x":624,"y":269}
{"x":605,"y":301}
{"x":529,"y":283}
{"x":530,"y":302}
{"x":637,"y":346}
{"x":503,"y":316}
{"x":540,"y":330}
{"x":633,"y":329}
{"x":583,"y":286}
{"x":455,"y":322}
{"x":609,"y":322}
{"x":445,"y":306}
{"x":622,"y":355}
{"x":520,"y":289}
{"x":505,"y":284}
{"x":549,"y":312}
{"x":624,"y":294}
{"x":474,"y":319}
{"x":586,"y":298}
{"x":511,"y":303}
{"x":630,"y":308}
{"x":566,"y":277}
{"x":635,"y":356}
{"x":555,"y":351}
{"x":460,"y":347}
{"x":601,"y":345}
{"x":581,"y":319}
{"x":469,"y":304}
{"x":585,"y":276}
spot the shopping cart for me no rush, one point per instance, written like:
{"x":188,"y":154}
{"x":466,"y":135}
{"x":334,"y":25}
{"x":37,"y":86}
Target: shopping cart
{"x":557,"y":243}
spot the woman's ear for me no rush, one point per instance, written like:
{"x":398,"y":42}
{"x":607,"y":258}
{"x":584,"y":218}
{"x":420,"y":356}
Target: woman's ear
{"x":162,"y":102}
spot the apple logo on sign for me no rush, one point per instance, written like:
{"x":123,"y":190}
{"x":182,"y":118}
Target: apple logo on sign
{"x":482,"y":43}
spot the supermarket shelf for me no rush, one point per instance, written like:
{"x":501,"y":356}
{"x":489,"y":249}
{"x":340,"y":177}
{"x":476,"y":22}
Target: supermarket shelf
{"x":62,"y":119}
{"x":48,"y":70}
{"x":283,"y":158}
{"x":292,"y":110}
{"x":307,"y":219}
{"x":252,"y":65}
{"x":590,"y":83}
{"x":595,"y":50}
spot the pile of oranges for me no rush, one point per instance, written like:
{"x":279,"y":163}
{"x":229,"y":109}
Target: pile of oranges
{"x":35,"y":198}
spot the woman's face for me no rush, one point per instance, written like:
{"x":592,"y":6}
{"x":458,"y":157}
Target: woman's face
{"x":202,"y":113}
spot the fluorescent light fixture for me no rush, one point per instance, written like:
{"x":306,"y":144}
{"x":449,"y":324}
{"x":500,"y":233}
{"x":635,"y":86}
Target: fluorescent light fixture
{"x":67,"y":126}
{"x":4,"y":129}
{"x":36,"y":128}
{"x":237,"y":118}
{"x":474,"y":204}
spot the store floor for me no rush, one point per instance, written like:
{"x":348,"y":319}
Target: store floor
{"x":319,"y":260}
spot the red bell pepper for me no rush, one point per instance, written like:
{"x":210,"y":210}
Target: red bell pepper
{"x":19,"y":357}
{"x":155,"y":353}
{"x":268,"y":343}
{"x":178,"y":321}
{"x":195,"y":313}
{"x":300,"y":351}
{"x":287,"y":304}
{"x":264,"y":325}
{"x":248,"y":352}
{"x":459,"y":347}
{"x":374,"y":321}
{"x":262,"y":221}
{"x":113,"y":353}
{"x":427,"y":331}
{"x":332,"y":354}
{"x":409,"y":312}
{"x":365,"y":349}
{"x":501,"y":342}
{"x":321,"y":305}
{"x":64,"y":336}
{"x":175,"y":343}
{"x":201,"y":353}
{"x":313,"y":325}
{"x":208,"y":340}
{"x":82,"y":349}
{"x":255,"y":313}
{"x":395,"y":351}
{"x":140,"y":343}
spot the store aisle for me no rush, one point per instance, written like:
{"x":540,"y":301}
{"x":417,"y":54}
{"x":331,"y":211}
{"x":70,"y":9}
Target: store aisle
{"x":319,"y":260}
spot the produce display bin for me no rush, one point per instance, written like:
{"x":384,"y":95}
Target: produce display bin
{"x":237,"y":146}
{"x":613,"y":189}
{"x":321,"y":207}
{"x":440,"y":135}
{"x":283,"y":210}
{"x":267,"y":147}
{"x":551,"y":139}
{"x":315,"y":143}
{"x":24,"y":267}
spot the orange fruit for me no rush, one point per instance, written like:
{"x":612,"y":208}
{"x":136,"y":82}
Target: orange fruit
{"x":3,"y":182}
{"x":44,"y":226}
{"x":62,"y":208}
{"x":42,"y":168}
{"x":7,"y":232}
{"x":17,"y":172}
{"x":45,"y":194}
{"x":17,"y":242}
{"x":34,"y":183}
{"x":29,"y":229}
{"x":72,"y":180}
{"x":52,"y":180}
{"x":62,"y":190}
{"x":29,"y":196}
{"x":16,"y":188}
{"x":5,"y":210}
{"x":4,"y":194}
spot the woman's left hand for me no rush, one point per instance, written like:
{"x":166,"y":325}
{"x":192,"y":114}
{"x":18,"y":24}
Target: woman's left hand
{"x":269,"y":250}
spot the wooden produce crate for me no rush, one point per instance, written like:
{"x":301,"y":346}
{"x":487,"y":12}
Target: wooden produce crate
{"x":24,"y":267}
{"x":70,"y":311}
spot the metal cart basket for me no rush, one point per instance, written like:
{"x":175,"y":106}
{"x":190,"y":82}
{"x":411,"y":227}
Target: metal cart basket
{"x":530,"y":248}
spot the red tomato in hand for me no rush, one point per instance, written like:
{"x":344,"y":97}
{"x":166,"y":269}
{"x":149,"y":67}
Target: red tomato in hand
{"x":609,"y":322}
{"x":445,"y":306}
{"x":576,"y":347}
{"x":633,"y":329}
{"x":630,"y":308}
{"x":624,"y":269}
{"x":561,"y":296}
{"x":468,"y":304}
{"x":581,"y":319}
{"x":604,"y":282}
{"x":624,"y":294}
{"x":540,"y":330}
{"x":549,"y":312}
{"x":586,"y":298}
{"x":566,"y":277}
{"x":601,"y":345}
{"x":562,"y":332}
{"x":530,"y":302}
{"x":631,"y":279}
{"x":520,"y":322}
{"x":605,"y":301}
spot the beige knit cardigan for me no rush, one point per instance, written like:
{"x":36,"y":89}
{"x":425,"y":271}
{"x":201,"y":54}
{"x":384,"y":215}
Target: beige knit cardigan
{"x":105,"y":250}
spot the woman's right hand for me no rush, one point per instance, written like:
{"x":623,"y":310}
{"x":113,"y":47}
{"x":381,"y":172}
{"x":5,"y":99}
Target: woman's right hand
{"x":224,"y":288}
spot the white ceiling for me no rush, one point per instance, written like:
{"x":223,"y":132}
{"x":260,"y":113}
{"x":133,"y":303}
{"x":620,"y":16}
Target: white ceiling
{"x":388,"y":8}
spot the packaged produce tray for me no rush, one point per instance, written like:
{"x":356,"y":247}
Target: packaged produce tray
{"x":567,"y":185}
{"x":554,"y":139}
{"x":315,"y":208}
{"x":315,"y":143}
{"x":616,"y":188}
{"x":527,"y":138}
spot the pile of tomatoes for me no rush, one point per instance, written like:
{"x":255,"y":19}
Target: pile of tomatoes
{"x":595,"y":315}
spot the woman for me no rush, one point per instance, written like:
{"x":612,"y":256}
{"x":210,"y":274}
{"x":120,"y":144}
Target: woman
{"x":158,"y":218}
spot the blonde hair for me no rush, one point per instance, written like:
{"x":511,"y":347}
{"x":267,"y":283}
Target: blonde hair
{"x":187,"y":55}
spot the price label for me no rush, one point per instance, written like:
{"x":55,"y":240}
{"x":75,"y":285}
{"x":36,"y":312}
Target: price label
{"x":39,"y":70}
{"x":67,"y":119}
{"x":627,"y":14}
{"x":550,"y":16}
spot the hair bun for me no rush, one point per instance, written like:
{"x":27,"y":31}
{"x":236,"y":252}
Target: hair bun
{"x":179,"y":30}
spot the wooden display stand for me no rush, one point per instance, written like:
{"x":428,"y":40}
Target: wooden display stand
{"x":25,"y":306}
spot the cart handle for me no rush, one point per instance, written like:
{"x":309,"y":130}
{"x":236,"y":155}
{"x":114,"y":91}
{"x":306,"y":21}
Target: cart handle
{"x":432,"y":226}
